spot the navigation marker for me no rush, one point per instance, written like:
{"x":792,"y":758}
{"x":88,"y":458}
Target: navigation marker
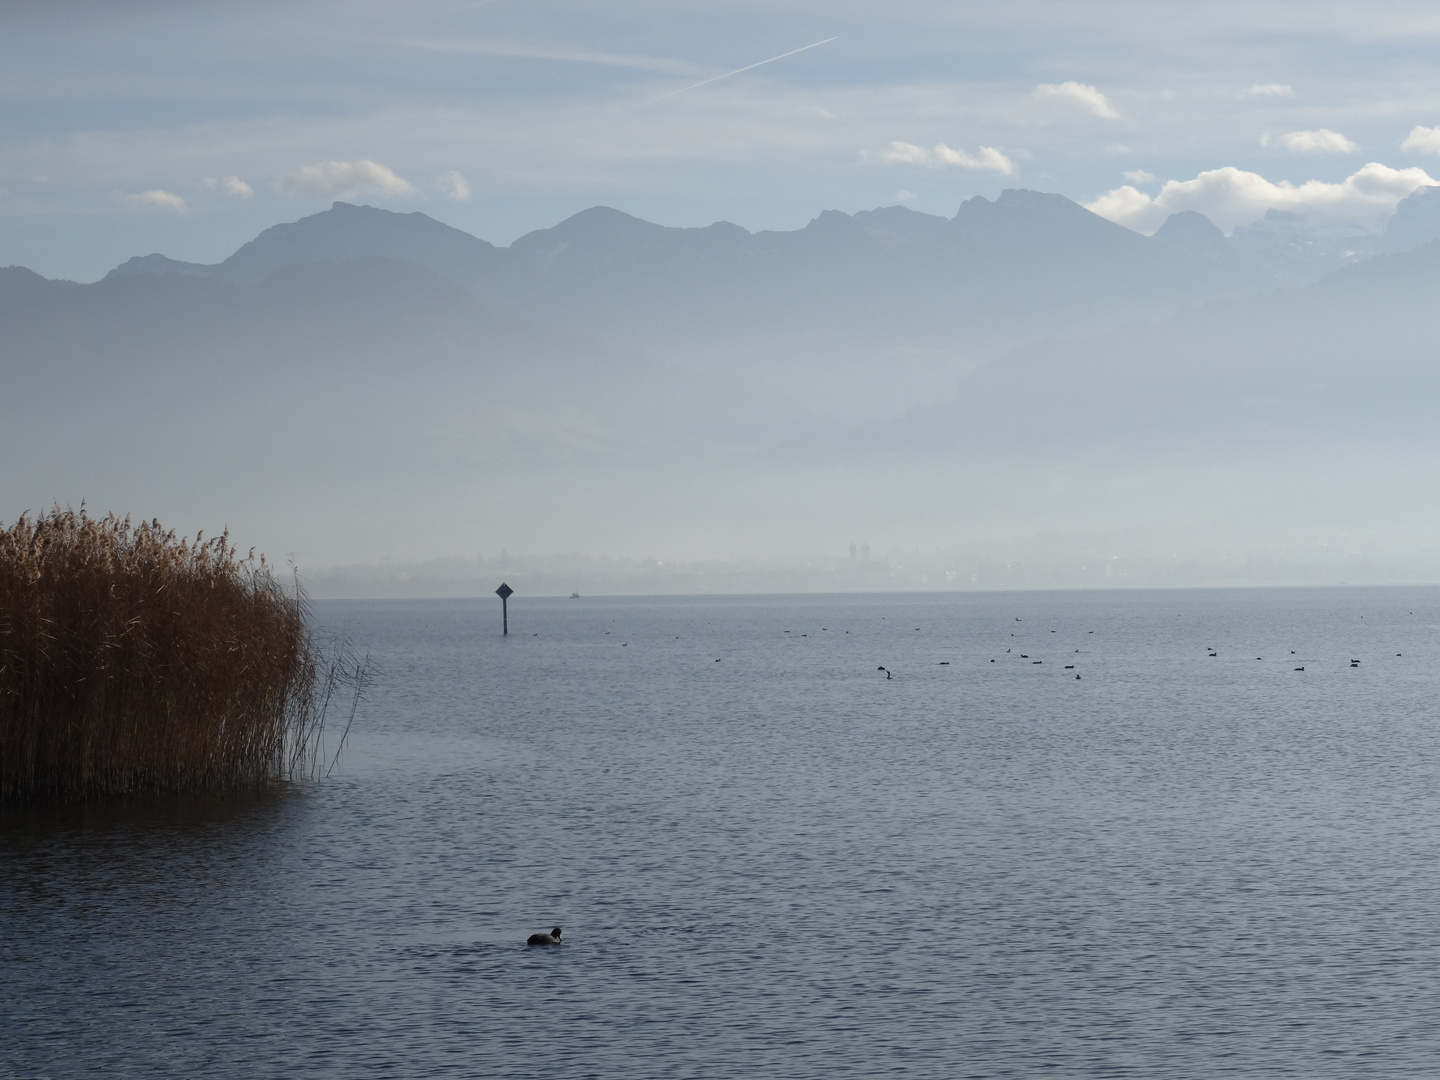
{"x":505,"y":592}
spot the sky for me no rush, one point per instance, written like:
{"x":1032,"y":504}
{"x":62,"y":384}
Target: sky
{"x":186,"y":128}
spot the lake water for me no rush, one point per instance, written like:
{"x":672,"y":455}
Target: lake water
{"x":769,"y":860}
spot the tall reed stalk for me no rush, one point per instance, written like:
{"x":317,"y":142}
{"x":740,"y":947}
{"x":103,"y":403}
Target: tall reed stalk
{"x":134,"y":661}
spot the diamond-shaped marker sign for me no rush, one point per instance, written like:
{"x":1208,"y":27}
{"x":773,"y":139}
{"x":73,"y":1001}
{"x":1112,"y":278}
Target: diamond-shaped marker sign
{"x":505,"y":592}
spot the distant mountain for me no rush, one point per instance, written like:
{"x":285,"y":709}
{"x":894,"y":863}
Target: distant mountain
{"x":1352,"y":357}
{"x":336,"y":394}
{"x":363,"y":383}
{"x":341,"y":234}
{"x":1416,"y":221}
{"x":852,"y":313}
{"x":1298,"y":251}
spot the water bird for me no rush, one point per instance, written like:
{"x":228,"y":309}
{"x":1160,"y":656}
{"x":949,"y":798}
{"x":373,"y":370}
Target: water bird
{"x":552,"y":938}
{"x":1077,"y":675}
{"x":1259,"y":658}
{"x":1037,"y":661}
{"x":1024,"y":656}
{"x":883,"y":668}
{"x":1069,"y":667}
{"x":992,"y":661}
{"x":944,"y":663}
{"x":1299,"y":669}
{"x":717,"y":661}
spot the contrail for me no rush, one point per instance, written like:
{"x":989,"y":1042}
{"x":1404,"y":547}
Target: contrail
{"x":750,"y":67}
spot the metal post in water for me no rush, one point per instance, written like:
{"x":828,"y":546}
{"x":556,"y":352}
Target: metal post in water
{"x":504,"y":592}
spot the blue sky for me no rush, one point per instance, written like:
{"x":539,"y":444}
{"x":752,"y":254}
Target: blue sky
{"x":185,"y":128}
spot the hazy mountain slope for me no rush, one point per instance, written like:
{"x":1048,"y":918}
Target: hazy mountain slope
{"x":342,"y":234}
{"x":1304,"y":425}
{"x":1416,"y":221}
{"x":852,"y":314}
{"x":362,"y":408}
{"x":1355,"y":355}
{"x":1297,"y":250}
{"x":350,"y":326}
{"x":870,"y":311}
{"x":336,"y":393}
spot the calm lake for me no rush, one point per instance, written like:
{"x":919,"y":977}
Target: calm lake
{"x":769,"y":860}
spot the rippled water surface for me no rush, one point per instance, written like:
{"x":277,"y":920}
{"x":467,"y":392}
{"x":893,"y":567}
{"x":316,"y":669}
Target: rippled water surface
{"x":771,"y":861}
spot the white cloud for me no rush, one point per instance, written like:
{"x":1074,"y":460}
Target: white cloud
{"x":344,"y":180}
{"x":454,"y":186}
{"x":230,"y":185}
{"x":904,"y":153}
{"x":1078,"y":93}
{"x":162,"y":200}
{"x":1231,"y":197}
{"x":901,"y":196}
{"x":1270,"y":89}
{"x":1322,"y":141}
{"x":1139,"y":176}
{"x":987,"y":158}
{"x":1426,"y":140}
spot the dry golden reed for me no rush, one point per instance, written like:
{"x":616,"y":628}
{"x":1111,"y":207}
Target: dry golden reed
{"x":135,"y":662}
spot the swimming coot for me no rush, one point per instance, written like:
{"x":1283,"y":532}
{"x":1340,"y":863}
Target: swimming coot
{"x":552,"y":938}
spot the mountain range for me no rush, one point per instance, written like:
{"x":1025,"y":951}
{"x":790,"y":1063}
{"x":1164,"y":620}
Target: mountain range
{"x":383,"y":378}
{"x":814,"y":313}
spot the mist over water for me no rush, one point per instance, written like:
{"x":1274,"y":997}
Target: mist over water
{"x":1013,"y":396}
{"x":782,"y":863}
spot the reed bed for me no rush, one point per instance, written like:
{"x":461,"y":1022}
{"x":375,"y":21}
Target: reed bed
{"x":133,"y":661}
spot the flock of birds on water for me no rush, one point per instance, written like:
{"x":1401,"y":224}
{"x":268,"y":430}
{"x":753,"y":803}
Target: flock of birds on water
{"x":1210,"y":651}
{"x":553,"y":937}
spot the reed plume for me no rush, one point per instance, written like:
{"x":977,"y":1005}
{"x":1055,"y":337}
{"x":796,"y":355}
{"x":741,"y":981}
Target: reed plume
{"x":134,"y":661}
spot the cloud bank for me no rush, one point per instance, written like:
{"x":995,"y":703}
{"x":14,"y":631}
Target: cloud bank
{"x":1231,"y":197}
{"x":344,"y":180}
{"x":1080,"y":94}
{"x":987,"y":158}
